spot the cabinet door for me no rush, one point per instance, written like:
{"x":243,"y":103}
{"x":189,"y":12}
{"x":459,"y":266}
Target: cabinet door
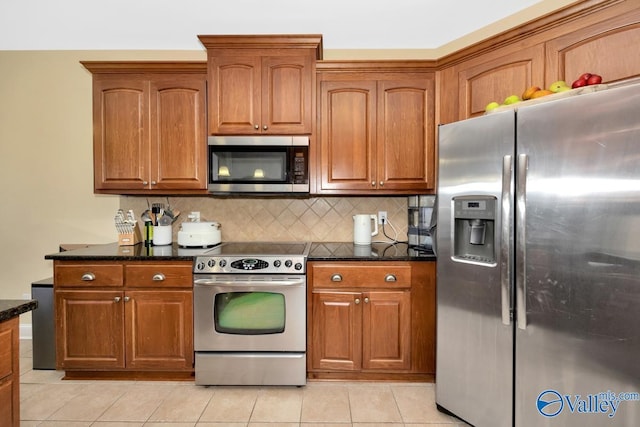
{"x":89,"y":329}
{"x":608,"y":48}
{"x":120,"y":127}
{"x":347,"y":136}
{"x":386,"y":331}
{"x":336,"y":331}
{"x":287,"y":84}
{"x":234,"y":92}
{"x":498,"y":78}
{"x":9,"y":373}
{"x":178,"y":132}
{"x":406,"y":134}
{"x":159,"y":330}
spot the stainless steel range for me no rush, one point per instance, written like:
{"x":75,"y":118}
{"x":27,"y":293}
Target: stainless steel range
{"x":250,"y":314}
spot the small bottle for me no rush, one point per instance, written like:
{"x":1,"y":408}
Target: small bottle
{"x":148,"y":233}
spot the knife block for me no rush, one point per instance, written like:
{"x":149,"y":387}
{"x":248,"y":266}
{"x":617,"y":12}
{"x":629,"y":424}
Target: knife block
{"x":130,"y":239}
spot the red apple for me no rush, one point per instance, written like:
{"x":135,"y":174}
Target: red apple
{"x":578,"y":83}
{"x":594,"y":80}
{"x":585,"y":76}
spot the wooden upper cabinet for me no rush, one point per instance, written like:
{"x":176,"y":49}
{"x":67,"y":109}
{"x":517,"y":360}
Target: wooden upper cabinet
{"x":376,"y":132}
{"x":494,"y":80}
{"x":149,"y":127}
{"x":347,"y":135}
{"x":608,"y":48}
{"x":261,"y":84}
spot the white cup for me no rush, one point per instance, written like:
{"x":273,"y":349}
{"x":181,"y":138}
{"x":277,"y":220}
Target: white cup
{"x":161,"y":235}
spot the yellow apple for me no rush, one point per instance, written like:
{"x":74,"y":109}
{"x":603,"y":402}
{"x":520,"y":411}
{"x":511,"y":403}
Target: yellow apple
{"x":558,"y":86}
{"x":512,"y":99}
{"x":491,"y":106}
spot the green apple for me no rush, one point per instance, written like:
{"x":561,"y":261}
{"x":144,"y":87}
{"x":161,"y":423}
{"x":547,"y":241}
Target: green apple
{"x":563,"y":89}
{"x":491,"y":106}
{"x":512,"y":99}
{"x":559,"y":86}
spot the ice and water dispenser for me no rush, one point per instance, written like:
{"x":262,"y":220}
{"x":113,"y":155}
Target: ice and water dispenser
{"x":474,"y":229}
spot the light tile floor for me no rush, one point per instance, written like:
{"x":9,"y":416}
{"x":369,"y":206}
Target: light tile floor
{"x":46,"y":400}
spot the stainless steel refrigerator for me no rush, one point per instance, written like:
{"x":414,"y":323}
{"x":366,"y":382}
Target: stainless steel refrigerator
{"x":538,"y":276}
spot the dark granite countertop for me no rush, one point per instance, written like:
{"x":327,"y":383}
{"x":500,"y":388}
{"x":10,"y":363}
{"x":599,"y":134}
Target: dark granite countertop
{"x":10,"y":308}
{"x":347,"y":251}
{"x":320,"y":251}
{"x":139,"y":252}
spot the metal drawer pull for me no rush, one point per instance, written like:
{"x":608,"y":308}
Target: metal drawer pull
{"x":336,"y":278}
{"x":357,"y":301}
{"x":116,"y":299}
{"x":390,"y":278}
{"x":88,"y":277}
{"x":158,"y":277}
{"x":366,"y":300}
{"x":126,"y":299}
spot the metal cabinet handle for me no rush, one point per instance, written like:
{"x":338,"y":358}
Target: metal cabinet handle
{"x":357,"y":301}
{"x":153,"y":182}
{"x":88,"y":277}
{"x":381,"y":183}
{"x":127,"y":299}
{"x":116,"y":299}
{"x":265,"y":127}
{"x":336,"y":278}
{"x":366,"y":300}
{"x":145,"y":182}
{"x":373,"y":183}
{"x":256,"y":127}
{"x":158,"y":277}
{"x":390,"y":278}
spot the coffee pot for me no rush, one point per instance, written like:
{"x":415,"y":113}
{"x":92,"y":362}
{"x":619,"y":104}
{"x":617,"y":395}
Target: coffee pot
{"x":362,"y":232}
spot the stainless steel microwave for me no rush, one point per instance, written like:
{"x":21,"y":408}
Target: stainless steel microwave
{"x":258,"y":164}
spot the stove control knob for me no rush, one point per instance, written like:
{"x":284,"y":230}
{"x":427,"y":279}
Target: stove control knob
{"x":288,"y":263}
{"x":298,"y":266}
{"x":200,"y":266}
{"x":211,"y":263}
{"x":222,"y":263}
{"x":277,"y":263}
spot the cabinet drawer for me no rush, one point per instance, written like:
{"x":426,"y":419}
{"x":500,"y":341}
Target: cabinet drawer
{"x":6,"y":352}
{"x":361,"y":275}
{"x":159,"y":275}
{"x":74,"y":275}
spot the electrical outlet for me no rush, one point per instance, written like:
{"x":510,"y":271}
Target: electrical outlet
{"x":26,"y":296}
{"x":382,"y":215}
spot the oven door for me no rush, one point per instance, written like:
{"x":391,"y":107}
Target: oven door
{"x":239,"y":312}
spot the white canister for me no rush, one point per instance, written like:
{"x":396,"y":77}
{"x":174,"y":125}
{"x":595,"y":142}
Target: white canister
{"x":362,"y":230}
{"x":161,"y":235}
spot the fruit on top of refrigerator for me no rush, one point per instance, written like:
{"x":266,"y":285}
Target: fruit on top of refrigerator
{"x":587,"y":79}
{"x":540,"y":93}
{"x":491,"y":106}
{"x":530,"y":91}
{"x":559,"y":86}
{"x":511,"y":99}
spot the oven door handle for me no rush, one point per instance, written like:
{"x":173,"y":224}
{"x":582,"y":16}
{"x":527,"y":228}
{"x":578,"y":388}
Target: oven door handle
{"x":259,"y":283}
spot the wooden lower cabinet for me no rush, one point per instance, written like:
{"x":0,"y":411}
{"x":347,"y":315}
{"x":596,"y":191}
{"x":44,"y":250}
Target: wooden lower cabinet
{"x":144,"y":328}
{"x":9,"y":373}
{"x":371,"y":320}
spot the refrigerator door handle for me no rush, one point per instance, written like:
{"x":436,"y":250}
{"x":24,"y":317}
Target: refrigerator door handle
{"x":506,"y":237}
{"x":521,"y":216}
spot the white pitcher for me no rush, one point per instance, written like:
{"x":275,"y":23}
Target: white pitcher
{"x":362,"y":233}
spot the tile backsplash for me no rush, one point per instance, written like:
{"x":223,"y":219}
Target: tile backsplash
{"x":318,"y":219}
